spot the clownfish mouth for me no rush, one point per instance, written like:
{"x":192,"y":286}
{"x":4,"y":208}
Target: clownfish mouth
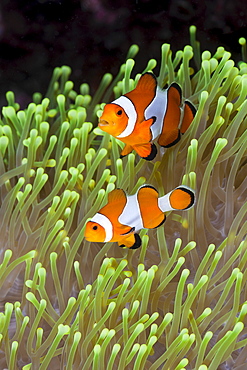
{"x":102,"y":122}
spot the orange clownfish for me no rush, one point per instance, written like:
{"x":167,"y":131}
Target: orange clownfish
{"x":146,"y":113}
{"x":124,"y":215}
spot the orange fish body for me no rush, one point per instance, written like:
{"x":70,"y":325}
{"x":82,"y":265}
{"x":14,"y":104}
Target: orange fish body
{"x":146,"y":113}
{"x":124,"y":215}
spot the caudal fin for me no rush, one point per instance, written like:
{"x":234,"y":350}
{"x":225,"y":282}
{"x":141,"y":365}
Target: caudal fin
{"x":180,"y":199}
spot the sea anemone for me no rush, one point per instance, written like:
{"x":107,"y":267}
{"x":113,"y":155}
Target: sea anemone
{"x":179,"y":302}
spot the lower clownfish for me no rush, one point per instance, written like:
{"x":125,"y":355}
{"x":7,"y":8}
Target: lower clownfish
{"x":124,"y":215}
{"x":146,"y":113}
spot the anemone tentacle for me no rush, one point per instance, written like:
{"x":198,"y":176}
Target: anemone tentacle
{"x":178,"y":302}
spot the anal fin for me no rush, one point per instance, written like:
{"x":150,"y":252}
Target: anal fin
{"x":147,"y":151}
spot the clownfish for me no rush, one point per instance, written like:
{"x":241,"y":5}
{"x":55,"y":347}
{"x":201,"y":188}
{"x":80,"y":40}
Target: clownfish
{"x":124,"y":215}
{"x":146,"y":113}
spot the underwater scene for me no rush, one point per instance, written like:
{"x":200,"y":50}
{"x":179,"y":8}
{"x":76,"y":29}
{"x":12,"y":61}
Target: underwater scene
{"x":123,"y":246}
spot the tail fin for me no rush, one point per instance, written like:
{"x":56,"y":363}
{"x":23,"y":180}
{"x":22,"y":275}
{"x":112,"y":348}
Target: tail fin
{"x":180,"y":198}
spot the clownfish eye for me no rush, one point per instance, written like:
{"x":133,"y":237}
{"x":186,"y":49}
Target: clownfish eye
{"x":119,"y":112}
{"x":95,"y":227}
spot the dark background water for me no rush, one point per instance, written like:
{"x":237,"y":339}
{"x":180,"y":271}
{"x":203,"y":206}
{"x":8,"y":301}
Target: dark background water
{"x":93,"y":36}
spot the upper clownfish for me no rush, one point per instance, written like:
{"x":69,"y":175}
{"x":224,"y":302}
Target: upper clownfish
{"x":146,"y":113}
{"x":124,"y":215}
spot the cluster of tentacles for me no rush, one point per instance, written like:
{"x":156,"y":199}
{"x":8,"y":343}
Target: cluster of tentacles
{"x":178,"y":302}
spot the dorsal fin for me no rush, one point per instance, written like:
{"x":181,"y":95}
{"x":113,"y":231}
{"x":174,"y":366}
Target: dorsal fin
{"x":143,"y":94}
{"x":189,"y":114}
{"x":116,"y":195}
{"x":149,"y":187}
{"x":147,"y":82}
{"x":175,"y":85}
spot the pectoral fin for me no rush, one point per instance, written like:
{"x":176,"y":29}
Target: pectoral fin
{"x":141,"y":139}
{"x":143,"y":131}
{"x":132,"y":242}
{"x":126,"y":150}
